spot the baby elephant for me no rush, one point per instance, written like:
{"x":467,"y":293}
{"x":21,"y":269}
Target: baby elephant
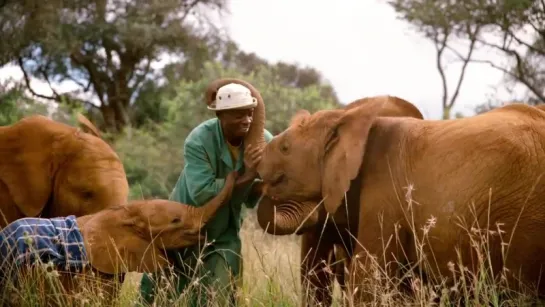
{"x":127,"y":238}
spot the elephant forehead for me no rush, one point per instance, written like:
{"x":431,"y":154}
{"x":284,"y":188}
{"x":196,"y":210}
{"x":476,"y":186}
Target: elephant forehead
{"x":161,"y":211}
{"x":92,"y":145}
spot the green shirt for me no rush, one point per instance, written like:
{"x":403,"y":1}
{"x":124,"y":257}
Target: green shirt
{"x":207,"y":161}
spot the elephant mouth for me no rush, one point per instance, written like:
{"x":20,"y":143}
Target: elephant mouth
{"x":292,"y":198}
{"x":274,"y":198}
{"x":270,"y":191}
{"x":194,"y":236}
{"x":187,"y":240}
{"x":288,"y":217}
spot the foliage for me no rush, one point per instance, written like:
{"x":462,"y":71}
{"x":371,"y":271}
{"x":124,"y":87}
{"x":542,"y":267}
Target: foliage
{"x":513,"y":29}
{"x":440,"y":21}
{"x":111,"y":50}
{"x":152,"y":154}
{"x":150,"y":104}
{"x":14,"y":105}
{"x":106,"y":47}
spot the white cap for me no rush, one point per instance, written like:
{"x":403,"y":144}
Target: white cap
{"x":233,"y":96}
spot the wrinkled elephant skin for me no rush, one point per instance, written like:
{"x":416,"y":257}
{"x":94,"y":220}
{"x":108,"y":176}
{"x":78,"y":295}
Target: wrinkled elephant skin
{"x":326,"y":244}
{"x":51,"y":169}
{"x":495,"y":159}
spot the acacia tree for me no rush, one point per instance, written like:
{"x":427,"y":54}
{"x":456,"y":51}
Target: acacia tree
{"x":440,"y":21}
{"x":150,"y":104}
{"x":514,"y":29}
{"x":106,"y":47}
{"x":151,"y":155}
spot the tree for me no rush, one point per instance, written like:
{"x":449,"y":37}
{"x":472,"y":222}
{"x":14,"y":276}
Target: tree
{"x":439,"y":21}
{"x":14,"y":105}
{"x":150,"y":104}
{"x":514,"y":29}
{"x":152,"y":155}
{"x":105,"y":47}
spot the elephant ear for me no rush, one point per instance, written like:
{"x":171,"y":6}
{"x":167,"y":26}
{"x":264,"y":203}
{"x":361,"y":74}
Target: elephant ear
{"x":299,"y":118}
{"x":29,"y":182}
{"x":344,"y":150}
{"x":87,"y":126}
{"x":114,"y":244}
{"x":25,"y":170}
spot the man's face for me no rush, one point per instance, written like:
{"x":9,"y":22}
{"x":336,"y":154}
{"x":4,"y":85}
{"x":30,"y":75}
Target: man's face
{"x":236,"y":123}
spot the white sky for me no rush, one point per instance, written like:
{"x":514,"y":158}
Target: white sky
{"x":358,"y":45}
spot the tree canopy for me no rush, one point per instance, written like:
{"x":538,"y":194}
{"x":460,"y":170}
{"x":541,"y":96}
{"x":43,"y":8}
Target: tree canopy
{"x":513,"y":29}
{"x":112,"y":50}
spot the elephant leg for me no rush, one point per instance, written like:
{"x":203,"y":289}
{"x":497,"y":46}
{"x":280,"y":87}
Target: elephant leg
{"x":316,"y":277}
{"x":342,"y":263}
{"x":381,"y":248}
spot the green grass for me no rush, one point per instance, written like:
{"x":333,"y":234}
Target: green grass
{"x":271,"y":278}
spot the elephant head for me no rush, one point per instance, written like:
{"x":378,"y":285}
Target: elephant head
{"x":255,"y":135}
{"x":134,"y":236}
{"x":308,"y":168}
{"x":52,"y":169}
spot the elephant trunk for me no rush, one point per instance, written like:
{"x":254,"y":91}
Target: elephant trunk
{"x":285,"y":218}
{"x":205,"y":213}
{"x":255,"y":135}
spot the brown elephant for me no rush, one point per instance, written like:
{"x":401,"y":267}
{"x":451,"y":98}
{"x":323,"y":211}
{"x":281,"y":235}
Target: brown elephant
{"x":402,"y":172}
{"x":50,"y":169}
{"x":133,"y":237}
{"x":326,"y":248}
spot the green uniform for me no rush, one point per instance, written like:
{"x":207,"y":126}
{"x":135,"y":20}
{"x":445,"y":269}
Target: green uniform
{"x":208,"y":158}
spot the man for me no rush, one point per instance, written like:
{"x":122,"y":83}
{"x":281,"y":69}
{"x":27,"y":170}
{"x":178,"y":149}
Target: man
{"x":212,"y":150}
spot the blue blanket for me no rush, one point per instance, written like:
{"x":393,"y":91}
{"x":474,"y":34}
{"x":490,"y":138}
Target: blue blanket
{"x":56,"y":240}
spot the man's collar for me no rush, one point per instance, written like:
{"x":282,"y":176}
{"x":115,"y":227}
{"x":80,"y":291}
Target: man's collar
{"x":225,"y":154}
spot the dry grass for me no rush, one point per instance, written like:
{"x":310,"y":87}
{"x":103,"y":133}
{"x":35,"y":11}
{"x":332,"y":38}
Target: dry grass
{"x":271,"y":278}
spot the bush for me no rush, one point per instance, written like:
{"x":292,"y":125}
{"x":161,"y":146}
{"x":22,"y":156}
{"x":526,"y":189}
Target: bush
{"x":152,"y":154}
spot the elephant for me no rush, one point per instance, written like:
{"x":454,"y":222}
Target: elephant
{"x":322,"y":245}
{"x":51,"y":169}
{"x":398,"y":173}
{"x":132,"y":237}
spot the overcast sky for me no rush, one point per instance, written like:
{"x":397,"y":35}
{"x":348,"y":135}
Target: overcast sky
{"x":358,"y":45}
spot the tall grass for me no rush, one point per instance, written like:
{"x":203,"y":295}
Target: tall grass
{"x":271,"y":278}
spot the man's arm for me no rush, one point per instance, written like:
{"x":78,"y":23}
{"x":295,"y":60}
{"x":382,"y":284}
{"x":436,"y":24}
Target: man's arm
{"x":202,"y":183}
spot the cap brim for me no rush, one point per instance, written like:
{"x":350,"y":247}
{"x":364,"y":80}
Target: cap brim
{"x":248,"y":106}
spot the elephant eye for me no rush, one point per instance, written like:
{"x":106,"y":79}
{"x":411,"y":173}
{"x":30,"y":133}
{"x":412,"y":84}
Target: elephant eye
{"x":176,"y":220}
{"x":87,"y":194}
{"x":276,"y":181}
{"x":284,"y":148}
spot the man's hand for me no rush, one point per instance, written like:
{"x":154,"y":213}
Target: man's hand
{"x":252,"y":157}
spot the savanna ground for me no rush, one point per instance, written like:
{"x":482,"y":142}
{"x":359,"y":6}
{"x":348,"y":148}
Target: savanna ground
{"x":271,"y":278}
{"x":153,"y":160}
{"x":151,"y":152}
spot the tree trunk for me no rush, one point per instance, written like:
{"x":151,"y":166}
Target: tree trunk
{"x":446,"y":113}
{"x":116,"y":117}
{"x":116,"y":112}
